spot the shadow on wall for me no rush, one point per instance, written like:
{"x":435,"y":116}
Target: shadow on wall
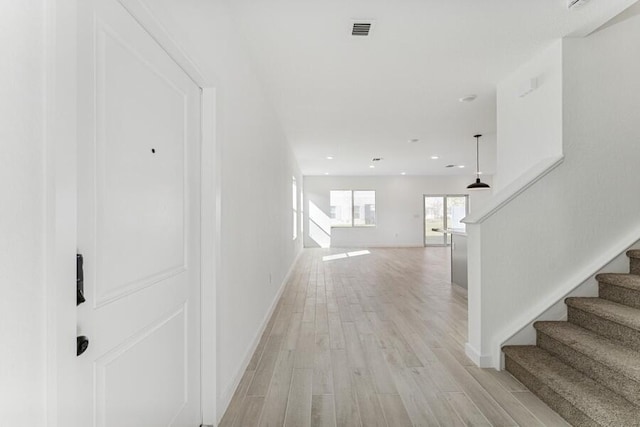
{"x":319,"y":226}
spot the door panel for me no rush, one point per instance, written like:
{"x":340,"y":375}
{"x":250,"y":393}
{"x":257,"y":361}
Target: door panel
{"x":434,"y":218}
{"x":140,"y":172}
{"x":138,"y":226}
{"x":117,"y":387}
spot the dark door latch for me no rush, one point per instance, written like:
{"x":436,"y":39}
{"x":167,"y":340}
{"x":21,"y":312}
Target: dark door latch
{"x":82,"y":343}
{"x":79,"y":280}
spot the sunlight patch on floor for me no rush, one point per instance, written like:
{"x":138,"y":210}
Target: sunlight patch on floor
{"x":345,"y":255}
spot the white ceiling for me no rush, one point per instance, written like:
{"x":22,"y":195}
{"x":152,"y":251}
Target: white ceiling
{"x":356,"y":98}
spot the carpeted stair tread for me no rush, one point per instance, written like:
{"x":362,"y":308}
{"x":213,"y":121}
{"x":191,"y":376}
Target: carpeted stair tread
{"x":634,"y":261}
{"x":634,"y":253}
{"x":608,"y":310}
{"x":595,"y":401}
{"x":607,"y":352}
{"x":629,"y":281}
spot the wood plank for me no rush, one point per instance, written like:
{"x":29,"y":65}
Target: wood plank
{"x":392,"y":337}
{"x":249,"y":415}
{"x":257,"y":354}
{"x":469,"y":412}
{"x":309,"y":313}
{"x":509,"y":403}
{"x":343,"y":309}
{"x":394,"y":411}
{"x":332,"y":302}
{"x":293,"y":333}
{"x":362,"y":322}
{"x":441,"y":377}
{"x":299,"y":405}
{"x":346,"y":404}
{"x":508,"y":381}
{"x":336,"y":335}
{"x":264,"y":371}
{"x":306,"y":346}
{"x":322,"y":320}
{"x":322,"y":374}
{"x":323,"y":412}
{"x":377,"y":366}
{"x":489,"y":407}
{"x":353,"y":346}
{"x":370,"y":410}
{"x":444,"y":412}
{"x":275,"y":403}
{"x":301,"y":298}
{"x":414,"y":402}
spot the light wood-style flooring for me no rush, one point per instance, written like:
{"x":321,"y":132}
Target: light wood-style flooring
{"x":375,"y":339}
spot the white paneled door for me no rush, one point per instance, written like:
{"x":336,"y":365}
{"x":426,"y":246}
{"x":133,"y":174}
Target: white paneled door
{"x":138,"y":226}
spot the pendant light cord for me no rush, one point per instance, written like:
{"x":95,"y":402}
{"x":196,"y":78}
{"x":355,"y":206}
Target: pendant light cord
{"x":478,"y":157}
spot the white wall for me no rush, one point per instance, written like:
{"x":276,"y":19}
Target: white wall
{"x":553,"y":236}
{"x":399,"y":208}
{"x":22,"y":308}
{"x":257,"y":249}
{"x":529,"y":127}
{"x":558,"y":311}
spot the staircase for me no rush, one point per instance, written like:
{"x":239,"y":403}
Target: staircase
{"x":588,"y":368}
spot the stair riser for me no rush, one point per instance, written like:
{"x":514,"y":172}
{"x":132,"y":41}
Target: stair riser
{"x":635,"y":266}
{"x":619,"y":294}
{"x":569,"y":412}
{"x":620,"y":384}
{"x":606,"y":328}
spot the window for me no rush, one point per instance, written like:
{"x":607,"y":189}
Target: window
{"x":294,"y":194}
{"x":353,"y":208}
{"x":364,"y":208}
{"x":341,"y":208}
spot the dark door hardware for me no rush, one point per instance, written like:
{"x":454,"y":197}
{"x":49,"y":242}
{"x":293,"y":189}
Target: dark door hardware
{"x":82,"y":343}
{"x":79,"y":280}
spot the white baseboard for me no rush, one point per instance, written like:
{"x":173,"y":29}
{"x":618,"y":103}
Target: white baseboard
{"x":480,"y":360}
{"x":225,"y":397}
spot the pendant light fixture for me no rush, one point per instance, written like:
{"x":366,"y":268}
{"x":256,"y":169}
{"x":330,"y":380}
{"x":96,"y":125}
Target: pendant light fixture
{"x":478,"y":184}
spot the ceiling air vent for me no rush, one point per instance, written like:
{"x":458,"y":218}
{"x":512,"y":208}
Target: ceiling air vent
{"x":361,"y":28}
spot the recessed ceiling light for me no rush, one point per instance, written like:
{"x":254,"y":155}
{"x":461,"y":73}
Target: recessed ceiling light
{"x":461,"y":166}
{"x":371,"y":166}
{"x":435,"y":157}
{"x":414,"y":140}
{"x":403,"y":173}
{"x":468,"y":98}
{"x":326,"y":173}
{"x":329,"y":157}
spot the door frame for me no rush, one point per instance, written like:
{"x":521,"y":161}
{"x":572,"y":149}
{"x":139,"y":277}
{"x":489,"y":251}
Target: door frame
{"x":60,"y":206}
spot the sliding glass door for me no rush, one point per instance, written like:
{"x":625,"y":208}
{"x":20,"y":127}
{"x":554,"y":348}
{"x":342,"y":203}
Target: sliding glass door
{"x":443,"y":212}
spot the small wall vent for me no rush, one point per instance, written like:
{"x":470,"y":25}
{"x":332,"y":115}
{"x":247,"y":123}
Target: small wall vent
{"x":361,"y":28}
